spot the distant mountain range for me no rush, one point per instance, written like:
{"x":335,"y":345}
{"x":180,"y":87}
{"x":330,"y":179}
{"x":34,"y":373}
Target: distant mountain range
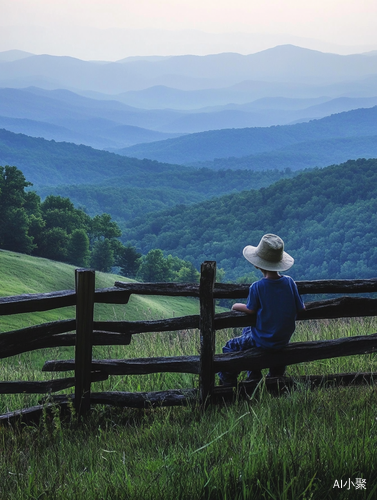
{"x":65,"y":116}
{"x":193,"y":128}
{"x":285,"y":63}
{"x":350,"y":134}
{"x":334,"y":139}
{"x":113,"y":105}
{"x":108,"y":124}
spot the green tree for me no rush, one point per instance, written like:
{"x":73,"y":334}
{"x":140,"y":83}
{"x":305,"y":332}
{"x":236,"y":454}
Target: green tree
{"x":154,"y":267}
{"x":102,"y":227}
{"x":188,"y":274}
{"x":60,"y":212}
{"x":14,"y":231}
{"x":248,"y":278}
{"x":78,"y":248}
{"x":129,"y":261}
{"x":15,"y":208}
{"x":60,"y":220}
{"x":102,"y":257}
{"x":54,"y":244}
{"x":220,"y":274}
{"x":182,"y":270}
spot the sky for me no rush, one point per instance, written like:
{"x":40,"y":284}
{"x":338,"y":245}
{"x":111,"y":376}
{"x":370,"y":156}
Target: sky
{"x":113,"y":29}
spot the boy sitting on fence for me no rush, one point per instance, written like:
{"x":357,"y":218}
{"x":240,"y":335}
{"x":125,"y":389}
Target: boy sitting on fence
{"x":275,"y":301}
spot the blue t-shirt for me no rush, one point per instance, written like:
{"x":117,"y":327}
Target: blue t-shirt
{"x":276,"y":303}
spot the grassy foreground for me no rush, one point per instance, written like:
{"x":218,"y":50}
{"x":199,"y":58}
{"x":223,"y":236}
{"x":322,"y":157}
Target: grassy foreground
{"x":300,"y":445}
{"x":304,"y":444}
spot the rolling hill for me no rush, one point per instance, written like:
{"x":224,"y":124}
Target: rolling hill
{"x":65,"y":116}
{"x":327,"y":218}
{"x":106,"y":123}
{"x":303,"y":155}
{"x":207,"y":146}
{"x":23,"y":274}
{"x":113,"y":105}
{"x":92,"y":101}
{"x":51,"y":163}
{"x":124,"y":187}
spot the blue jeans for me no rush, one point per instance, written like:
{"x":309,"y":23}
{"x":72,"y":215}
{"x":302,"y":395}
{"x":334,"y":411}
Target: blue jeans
{"x":245,"y":341}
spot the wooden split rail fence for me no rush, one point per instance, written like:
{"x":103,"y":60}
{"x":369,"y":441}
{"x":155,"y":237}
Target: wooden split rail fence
{"x":83,"y":332}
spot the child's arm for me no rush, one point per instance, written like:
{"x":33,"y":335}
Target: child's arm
{"x":241,"y":307}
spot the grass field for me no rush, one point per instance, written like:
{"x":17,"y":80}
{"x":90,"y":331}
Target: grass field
{"x":304,"y":444}
{"x":22,"y":274}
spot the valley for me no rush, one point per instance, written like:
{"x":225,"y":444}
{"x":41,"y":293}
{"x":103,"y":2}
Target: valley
{"x":196,"y":168}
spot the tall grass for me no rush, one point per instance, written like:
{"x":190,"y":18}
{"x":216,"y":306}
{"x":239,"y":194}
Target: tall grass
{"x":294,"y":446}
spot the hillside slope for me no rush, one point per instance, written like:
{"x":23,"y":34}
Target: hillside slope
{"x":320,"y":153}
{"x":65,"y":116}
{"x":51,"y":163}
{"x":327,"y":217}
{"x":21,"y":274}
{"x":154,"y":193}
{"x":124,"y":187}
{"x":251,"y":141}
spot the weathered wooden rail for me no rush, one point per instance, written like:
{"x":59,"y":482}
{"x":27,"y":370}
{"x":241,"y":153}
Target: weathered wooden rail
{"x":83,"y":333}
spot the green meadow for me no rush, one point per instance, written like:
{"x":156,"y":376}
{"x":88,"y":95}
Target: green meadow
{"x":303,"y":444}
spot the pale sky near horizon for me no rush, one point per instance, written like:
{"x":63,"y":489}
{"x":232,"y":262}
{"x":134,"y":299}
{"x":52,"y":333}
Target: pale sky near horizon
{"x":71,"y":27}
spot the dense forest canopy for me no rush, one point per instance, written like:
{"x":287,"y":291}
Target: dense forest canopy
{"x":327,"y":218}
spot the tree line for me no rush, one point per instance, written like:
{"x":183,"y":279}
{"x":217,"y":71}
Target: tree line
{"x":55,"y":229}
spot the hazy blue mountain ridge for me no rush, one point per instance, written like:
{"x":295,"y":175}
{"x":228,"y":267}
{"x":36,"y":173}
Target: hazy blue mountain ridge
{"x":300,"y":156}
{"x":74,"y":118}
{"x":96,"y":123}
{"x":243,"y":142}
{"x":284,"y":63}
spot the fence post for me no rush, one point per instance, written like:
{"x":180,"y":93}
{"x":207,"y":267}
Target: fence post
{"x":85,"y":286}
{"x":207,"y":330}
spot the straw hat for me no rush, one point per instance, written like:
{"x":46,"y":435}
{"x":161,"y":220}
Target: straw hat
{"x":269,"y":254}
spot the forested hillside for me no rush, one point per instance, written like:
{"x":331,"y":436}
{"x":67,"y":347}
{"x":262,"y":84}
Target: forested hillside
{"x":327,"y":217}
{"x":125,"y":187}
{"x":251,"y":141}
{"x":152,"y":193}
{"x":51,"y":163}
{"x":303,"y":155}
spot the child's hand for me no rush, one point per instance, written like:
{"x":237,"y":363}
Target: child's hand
{"x":242,"y":308}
